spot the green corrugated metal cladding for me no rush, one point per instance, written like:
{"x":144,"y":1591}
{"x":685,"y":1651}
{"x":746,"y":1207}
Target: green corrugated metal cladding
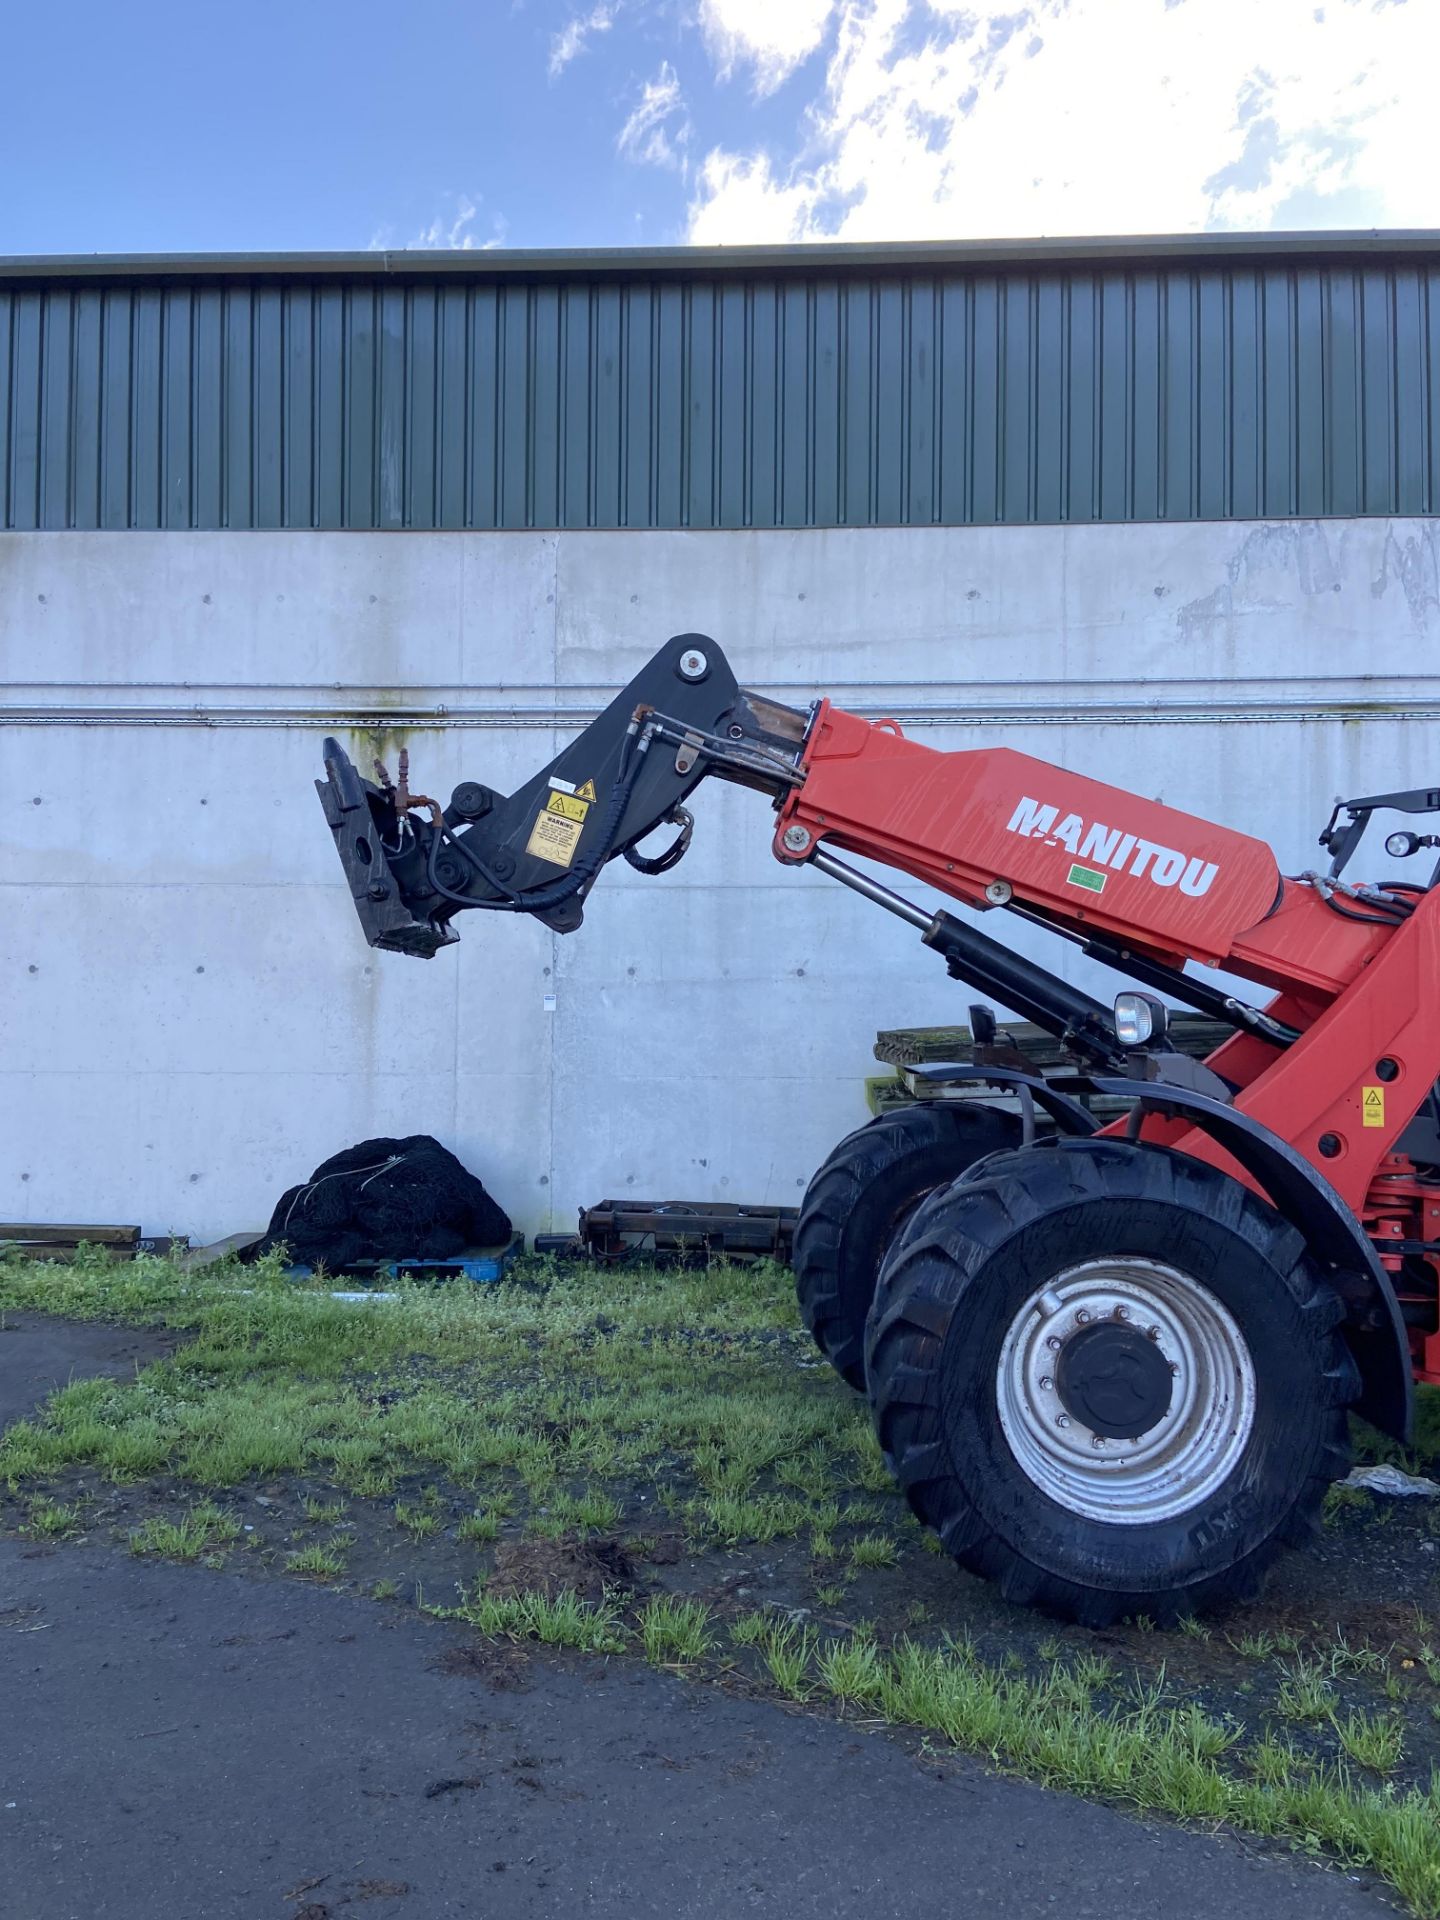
{"x":843,"y":388}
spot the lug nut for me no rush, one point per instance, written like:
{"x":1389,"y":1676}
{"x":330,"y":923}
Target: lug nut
{"x":1046,"y":1383}
{"x":1097,"y":1440}
{"x":1063,"y":1420}
{"x":1122,"y":1313}
{"x":1152,"y":1333}
{"x":1053,"y":1344}
{"x":1083,"y":1316}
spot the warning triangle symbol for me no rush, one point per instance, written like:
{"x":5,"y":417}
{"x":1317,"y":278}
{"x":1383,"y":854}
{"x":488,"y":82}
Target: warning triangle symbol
{"x":587,"y":792}
{"x":1374,"y":1097}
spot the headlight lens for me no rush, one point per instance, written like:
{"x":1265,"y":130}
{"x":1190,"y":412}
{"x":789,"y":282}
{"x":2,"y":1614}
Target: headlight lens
{"x":1139,"y":1019}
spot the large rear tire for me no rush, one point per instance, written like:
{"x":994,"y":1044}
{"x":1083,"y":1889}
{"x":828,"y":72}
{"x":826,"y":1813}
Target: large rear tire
{"x":860,"y":1200}
{"x":1110,"y":1378}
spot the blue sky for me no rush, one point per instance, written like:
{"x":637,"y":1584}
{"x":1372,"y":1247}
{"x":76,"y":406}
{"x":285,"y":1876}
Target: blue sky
{"x":166,"y":127}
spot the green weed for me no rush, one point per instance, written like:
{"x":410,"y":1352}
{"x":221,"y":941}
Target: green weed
{"x":193,"y":1534}
{"x":852,"y":1670}
{"x":579,"y":1512}
{"x":675,"y":1629}
{"x":51,"y":1520}
{"x":325,"y":1512}
{"x":787,"y":1648}
{"x":749,"y":1629}
{"x":559,"y":1620}
{"x":322,"y":1561}
{"x":479,"y":1527}
{"x":1375,"y":1741}
{"x":1305,"y":1693}
{"x":874,"y":1550}
{"x":733,"y":1518}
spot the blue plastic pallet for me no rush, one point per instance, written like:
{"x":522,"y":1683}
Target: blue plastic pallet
{"x":482,"y":1265}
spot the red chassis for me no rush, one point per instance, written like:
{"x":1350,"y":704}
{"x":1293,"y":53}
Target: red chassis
{"x":1093,"y":860}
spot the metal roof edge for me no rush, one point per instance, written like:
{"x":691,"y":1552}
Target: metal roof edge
{"x":696,"y":263}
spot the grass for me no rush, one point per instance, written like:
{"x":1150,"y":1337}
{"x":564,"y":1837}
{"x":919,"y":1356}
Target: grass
{"x":1376,"y":1741}
{"x":559,"y":1620}
{"x":325,"y":1512}
{"x":194,"y":1534}
{"x":733,"y":1518}
{"x":52,"y":1520}
{"x":550,"y":1405}
{"x":679,"y":1374}
{"x":320,"y":1561}
{"x":749,"y":1629}
{"x":1305,"y":1693}
{"x":788,"y":1649}
{"x":674,"y":1630}
{"x":478,"y":1527}
{"x":850,"y":1670}
{"x":874,"y":1550}
{"x":577,"y":1513}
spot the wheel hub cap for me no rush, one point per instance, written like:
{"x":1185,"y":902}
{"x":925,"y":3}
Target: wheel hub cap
{"x":1113,"y":1380}
{"x":1126,"y":1391}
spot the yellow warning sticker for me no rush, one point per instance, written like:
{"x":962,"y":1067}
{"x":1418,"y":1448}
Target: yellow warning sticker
{"x":570,"y":805}
{"x":553,"y":838}
{"x":1372,"y":1106}
{"x":587,"y":792}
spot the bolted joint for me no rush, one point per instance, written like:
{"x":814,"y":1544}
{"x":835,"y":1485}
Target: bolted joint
{"x":796,"y":839}
{"x":471,"y":800}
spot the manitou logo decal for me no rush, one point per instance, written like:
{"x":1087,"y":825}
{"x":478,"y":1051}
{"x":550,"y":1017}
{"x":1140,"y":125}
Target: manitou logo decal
{"x":1111,"y":847}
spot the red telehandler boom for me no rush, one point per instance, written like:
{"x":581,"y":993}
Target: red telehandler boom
{"x":1111,"y":1366}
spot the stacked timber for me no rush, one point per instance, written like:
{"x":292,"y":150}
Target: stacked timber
{"x":1192,"y":1033}
{"x":31,"y":1242}
{"x":905,"y":1048}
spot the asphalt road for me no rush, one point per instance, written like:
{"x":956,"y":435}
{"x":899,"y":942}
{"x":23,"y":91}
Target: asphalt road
{"x":180,"y":1742}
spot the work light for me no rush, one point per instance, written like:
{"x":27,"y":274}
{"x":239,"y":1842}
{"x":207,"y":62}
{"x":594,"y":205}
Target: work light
{"x":1139,"y":1019}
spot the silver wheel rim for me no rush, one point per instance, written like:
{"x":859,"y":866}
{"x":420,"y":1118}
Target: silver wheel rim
{"x":1196,"y":1443}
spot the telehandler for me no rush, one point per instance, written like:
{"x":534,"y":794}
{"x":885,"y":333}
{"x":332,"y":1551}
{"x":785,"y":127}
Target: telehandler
{"x":1112,"y":1366}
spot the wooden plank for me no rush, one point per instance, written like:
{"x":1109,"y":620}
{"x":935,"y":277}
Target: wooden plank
{"x":29,"y":1234}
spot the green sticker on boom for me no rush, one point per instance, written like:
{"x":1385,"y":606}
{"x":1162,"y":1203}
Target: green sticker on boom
{"x":1088,"y":878}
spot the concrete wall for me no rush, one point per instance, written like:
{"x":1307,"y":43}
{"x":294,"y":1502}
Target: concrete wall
{"x":189,"y":1019}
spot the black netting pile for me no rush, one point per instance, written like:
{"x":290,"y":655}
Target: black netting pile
{"x":386,"y":1200}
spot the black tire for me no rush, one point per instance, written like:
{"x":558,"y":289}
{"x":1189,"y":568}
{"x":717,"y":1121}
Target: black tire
{"x":862,"y":1195}
{"x":967,"y":1270}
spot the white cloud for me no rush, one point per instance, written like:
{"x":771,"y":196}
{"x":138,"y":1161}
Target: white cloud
{"x":772,"y":37}
{"x":571,"y":39}
{"x":936,"y":120}
{"x":658,"y":128}
{"x":450,"y":230}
